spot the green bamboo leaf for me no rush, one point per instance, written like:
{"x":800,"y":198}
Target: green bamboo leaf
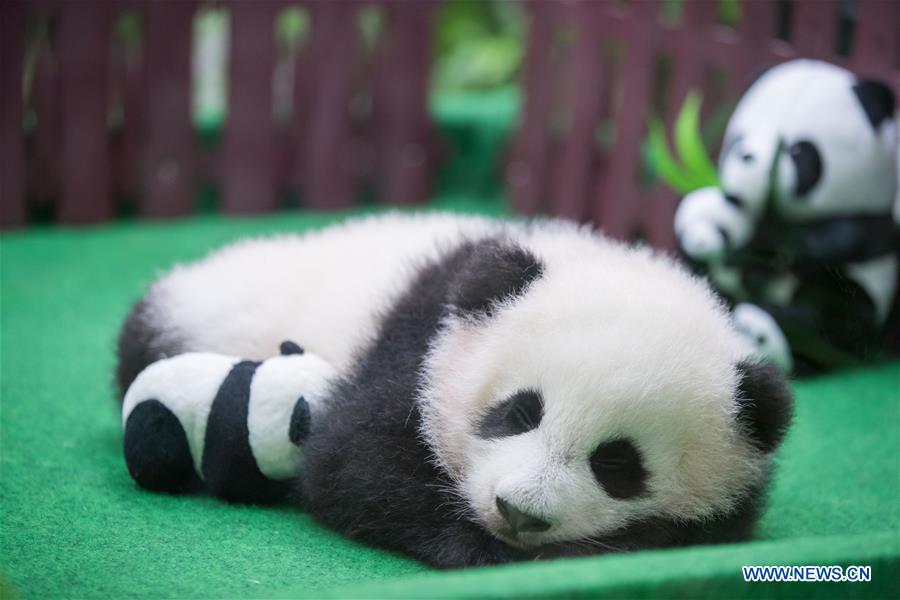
{"x":689,"y":143}
{"x":663,"y":161}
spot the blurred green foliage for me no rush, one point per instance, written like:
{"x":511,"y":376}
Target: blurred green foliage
{"x":479,"y":44}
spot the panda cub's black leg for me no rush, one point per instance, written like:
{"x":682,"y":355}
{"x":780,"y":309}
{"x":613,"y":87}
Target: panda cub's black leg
{"x":156,"y":448}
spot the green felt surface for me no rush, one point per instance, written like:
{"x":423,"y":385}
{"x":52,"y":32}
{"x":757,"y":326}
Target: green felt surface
{"x":72,"y":523}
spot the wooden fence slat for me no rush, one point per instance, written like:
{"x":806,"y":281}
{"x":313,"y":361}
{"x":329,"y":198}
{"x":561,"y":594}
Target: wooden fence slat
{"x":687,"y":69}
{"x":127,"y":69}
{"x":526,"y":171}
{"x":616,"y":199}
{"x":327,"y":146}
{"x":756,"y":28}
{"x":579,"y":147}
{"x":815,"y":27}
{"x":12,"y":165}
{"x":42,"y":171}
{"x":305,"y":72}
{"x":248,"y":154}
{"x":83,"y":58}
{"x":876,"y":47}
{"x":168,"y":157}
{"x":405,"y":133}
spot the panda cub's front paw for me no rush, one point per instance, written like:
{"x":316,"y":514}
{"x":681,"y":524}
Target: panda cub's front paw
{"x":763,"y":336}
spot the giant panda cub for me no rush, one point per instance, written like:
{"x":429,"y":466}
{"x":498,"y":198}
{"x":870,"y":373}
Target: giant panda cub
{"x":506,"y":390}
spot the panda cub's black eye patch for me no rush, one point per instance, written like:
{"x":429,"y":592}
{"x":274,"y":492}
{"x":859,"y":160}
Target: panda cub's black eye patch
{"x":619,"y":469}
{"x":517,"y":414}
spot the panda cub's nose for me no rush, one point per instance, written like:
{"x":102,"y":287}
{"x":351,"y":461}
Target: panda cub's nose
{"x":520,"y":521}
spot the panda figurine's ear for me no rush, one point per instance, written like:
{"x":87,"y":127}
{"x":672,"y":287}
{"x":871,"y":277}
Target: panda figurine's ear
{"x":289,"y":347}
{"x":489,"y":271}
{"x":877,"y":100}
{"x":765,"y":404}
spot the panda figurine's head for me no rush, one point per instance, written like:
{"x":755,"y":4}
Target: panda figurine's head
{"x":577,"y":414}
{"x":814,"y":139}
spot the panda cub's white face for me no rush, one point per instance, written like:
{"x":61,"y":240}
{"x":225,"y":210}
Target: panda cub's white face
{"x":598,"y":398}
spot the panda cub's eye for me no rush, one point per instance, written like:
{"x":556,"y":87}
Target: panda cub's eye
{"x":517,"y":414}
{"x":619,"y":469}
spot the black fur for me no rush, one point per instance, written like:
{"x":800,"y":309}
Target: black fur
{"x":765,"y":404}
{"x":156,"y":448}
{"x":877,"y":100}
{"x":139,"y":345}
{"x":619,"y":468}
{"x":288,"y":347}
{"x":494,"y":271}
{"x":367,"y":472}
{"x":808,"y":163}
{"x":735,"y":201}
{"x":228,"y":466}
{"x":517,"y":414}
{"x":300,"y":421}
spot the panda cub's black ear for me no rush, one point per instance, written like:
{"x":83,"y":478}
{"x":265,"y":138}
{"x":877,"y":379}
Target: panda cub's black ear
{"x":491,"y":270}
{"x":877,"y":100}
{"x":289,"y":347}
{"x":765,"y":404}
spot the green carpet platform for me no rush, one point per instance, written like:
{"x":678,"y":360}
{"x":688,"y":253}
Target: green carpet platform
{"x":74,"y":525}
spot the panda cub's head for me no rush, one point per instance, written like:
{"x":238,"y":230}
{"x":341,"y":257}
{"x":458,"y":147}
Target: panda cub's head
{"x":580,"y":390}
{"x":819,"y":140}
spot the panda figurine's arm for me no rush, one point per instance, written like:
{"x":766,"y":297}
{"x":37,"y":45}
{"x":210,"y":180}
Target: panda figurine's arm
{"x":844,"y":239}
{"x":710,"y":223}
{"x":237,"y":425}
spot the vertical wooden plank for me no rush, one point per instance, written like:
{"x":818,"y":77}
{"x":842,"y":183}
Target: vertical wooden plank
{"x":42,"y":166}
{"x":876,"y":47}
{"x":249,"y":145}
{"x":814,"y":30}
{"x":617,"y":201}
{"x":402,"y":103}
{"x":84,"y":32}
{"x":526,"y":171}
{"x":127,"y":72}
{"x":757,"y":30}
{"x":168,"y":157}
{"x":687,"y":69}
{"x":12,"y":164}
{"x":333,"y":48}
{"x":571,"y":197}
{"x":305,"y":75}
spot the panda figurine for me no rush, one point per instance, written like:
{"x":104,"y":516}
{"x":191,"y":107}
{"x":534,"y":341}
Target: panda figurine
{"x":237,"y":424}
{"x":800,"y":236}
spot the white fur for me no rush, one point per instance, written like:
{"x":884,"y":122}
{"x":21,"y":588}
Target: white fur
{"x":323,"y":290}
{"x":618,"y":340}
